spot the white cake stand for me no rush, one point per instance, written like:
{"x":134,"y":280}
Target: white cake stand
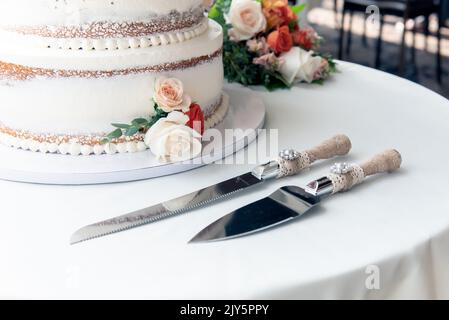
{"x":246,"y":112}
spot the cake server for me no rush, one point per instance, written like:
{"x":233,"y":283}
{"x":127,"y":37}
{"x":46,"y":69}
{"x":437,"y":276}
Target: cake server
{"x":289,"y":163}
{"x":291,"y":202}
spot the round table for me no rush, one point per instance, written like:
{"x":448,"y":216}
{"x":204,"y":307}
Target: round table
{"x":388,"y":238}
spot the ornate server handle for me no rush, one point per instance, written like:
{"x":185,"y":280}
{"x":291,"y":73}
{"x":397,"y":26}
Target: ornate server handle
{"x":344,"y":177}
{"x":291,"y":162}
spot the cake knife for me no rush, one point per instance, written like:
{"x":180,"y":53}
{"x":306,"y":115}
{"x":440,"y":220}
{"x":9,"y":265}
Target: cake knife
{"x":289,"y":163}
{"x":288,"y":203}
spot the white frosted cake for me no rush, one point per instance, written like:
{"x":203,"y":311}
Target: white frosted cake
{"x":71,"y":68}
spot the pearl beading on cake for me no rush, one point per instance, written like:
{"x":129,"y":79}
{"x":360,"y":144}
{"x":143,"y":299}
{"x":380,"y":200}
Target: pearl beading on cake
{"x":87,"y":145}
{"x":219,"y":114}
{"x":124,"y":43}
{"x":101,"y":28}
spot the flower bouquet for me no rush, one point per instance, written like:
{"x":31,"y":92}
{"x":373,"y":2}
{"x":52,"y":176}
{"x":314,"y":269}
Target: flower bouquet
{"x":265,"y":45}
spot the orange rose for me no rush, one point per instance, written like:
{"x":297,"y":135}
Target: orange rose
{"x":280,"y":40}
{"x":279,"y":16}
{"x":306,"y":38}
{"x":271,"y":4}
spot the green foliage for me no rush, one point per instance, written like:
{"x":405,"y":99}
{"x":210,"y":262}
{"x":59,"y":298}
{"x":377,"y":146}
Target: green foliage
{"x":131,"y":131}
{"x":330,"y":60}
{"x":222,"y":6}
{"x":332,"y":63}
{"x":218,"y":10}
{"x":117,"y":133}
{"x":239,"y":67}
{"x":298,"y":8}
{"x":139,"y":122}
{"x":136,"y":126}
{"x":158,"y":114}
{"x":121,"y":125}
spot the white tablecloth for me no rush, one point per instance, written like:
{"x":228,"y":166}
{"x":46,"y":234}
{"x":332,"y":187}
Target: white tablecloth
{"x":399,"y":223}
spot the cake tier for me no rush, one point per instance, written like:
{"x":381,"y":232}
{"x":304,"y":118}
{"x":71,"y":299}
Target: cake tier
{"x":99,"y":24}
{"x":76,"y":145}
{"x":80,"y":93}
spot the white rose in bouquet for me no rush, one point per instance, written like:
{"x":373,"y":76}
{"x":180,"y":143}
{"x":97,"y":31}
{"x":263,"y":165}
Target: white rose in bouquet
{"x":169,"y":138}
{"x":300,"y":65}
{"x":246,"y":18}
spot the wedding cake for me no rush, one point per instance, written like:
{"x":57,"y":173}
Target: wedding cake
{"x":69,"y":69}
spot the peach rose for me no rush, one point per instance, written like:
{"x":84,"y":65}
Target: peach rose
{"x":280,"y":40}
{"x":169,"y":95}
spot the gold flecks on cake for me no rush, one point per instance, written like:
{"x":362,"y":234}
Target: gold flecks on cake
{"x":210,"y":111}
{"x":11,"y":71}
{"x":89,"y":140}
{"x":101,"y":30}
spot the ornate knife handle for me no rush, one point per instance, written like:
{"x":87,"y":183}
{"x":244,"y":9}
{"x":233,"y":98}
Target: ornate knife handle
{"x":291,"y":162}
{"x":344,"y":177}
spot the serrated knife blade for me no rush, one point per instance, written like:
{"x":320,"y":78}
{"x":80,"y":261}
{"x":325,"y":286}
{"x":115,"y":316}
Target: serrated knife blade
{"x":165,"y":209}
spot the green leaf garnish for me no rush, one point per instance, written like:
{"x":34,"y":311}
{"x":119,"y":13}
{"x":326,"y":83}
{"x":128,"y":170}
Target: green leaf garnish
{"x":121,"y":125}
{"x":136,"y":126}
{"x":139,"y":122}
{"x":218,"y":11}
{"x":131,"y":131}
{"x":117,"y":133}
{"x":298,"y":8}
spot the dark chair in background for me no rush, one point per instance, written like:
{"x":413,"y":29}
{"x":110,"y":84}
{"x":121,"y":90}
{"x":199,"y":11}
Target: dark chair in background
{"x":405,"y":9}
{"x":443,"y":22}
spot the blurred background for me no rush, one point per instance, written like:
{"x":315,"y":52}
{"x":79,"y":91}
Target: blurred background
{"x":408,"y":38}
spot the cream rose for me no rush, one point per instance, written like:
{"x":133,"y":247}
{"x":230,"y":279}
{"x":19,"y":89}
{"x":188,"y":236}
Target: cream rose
{"x":300,"y":65}
{"x":169,"y":95}
{"x":169,"y":138}
{"x":246,"y":18}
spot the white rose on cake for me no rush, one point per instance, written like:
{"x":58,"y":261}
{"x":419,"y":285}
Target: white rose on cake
{"x":300,"y":65}
{"x":171,"y":139}
{"x":247,"y":19}
{"x":169,"y":95}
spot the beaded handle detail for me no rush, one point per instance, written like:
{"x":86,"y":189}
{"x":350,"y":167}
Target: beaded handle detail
{"x":386,"y":161}
{"x":292,"y":162}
